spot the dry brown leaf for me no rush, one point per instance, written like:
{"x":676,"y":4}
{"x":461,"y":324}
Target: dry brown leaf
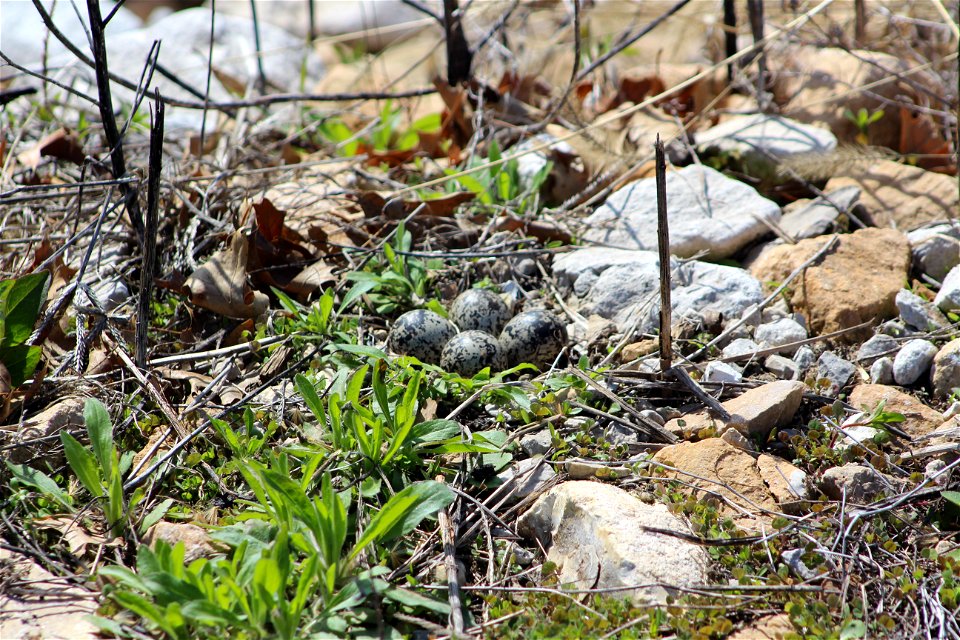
{"x":311,"y":280}
{"x":220,"y":284}
{"x":61,"y":144}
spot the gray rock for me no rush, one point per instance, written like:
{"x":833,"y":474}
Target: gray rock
{"x":945,"y":372}
{"x":25,"y":36}
{"x":737,"y":439}
{"x":935,"y":250}
{"x":595,"y":534}
{"x":739,"y":347}
{"x":793,"y":558}
{"x":835,"y":369}
{"x":623,"y":286}
{"x":913,"y":360}
{"x":651,"y":414}
{"x":817,"y":217}
{"x":779,"y":333}
{"x":767,"y":137}
{"x":948,"y":298}
{"x":536,"y":444}
{"x":708,"y":212}
{"x":616,"y":434}
{"x":918,"y":313}
{"x":881,"y":371}
{"x":527,"y":477}
{"x":783,"y":368}
{"x":717,"y":371}
{"x":877,"y":346}
{"x":853,"y":482}
{"x":805,"y":358}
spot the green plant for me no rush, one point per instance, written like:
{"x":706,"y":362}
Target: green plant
{"x":393,"y":282}
{"x":100,"y":467}
{"x":20,"y":301}
{"x":862,"y":121}
{"x":501,"y":183}
{"x":382,"y":136}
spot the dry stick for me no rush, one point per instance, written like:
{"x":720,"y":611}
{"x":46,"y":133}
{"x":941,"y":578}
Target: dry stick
{"x":652,"y":427}
{"x":449,"y":535}
{"x":459,"y":56}
{"x":663,"y":248}
{"x":106,"y":115}
{"x":700,"y":394}
{"x":755,"y":13}
{"x":783,"y":285}
{"x":860,"y":22}
{"x":730,"y":35}
{"x":261,"y":74}
{"x":148,"y":264}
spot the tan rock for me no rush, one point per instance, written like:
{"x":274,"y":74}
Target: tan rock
{"x":196,"y":540}
{"x":920,"y":419}
{"x":945,"y":372}
{"x":774,"y":627}
{"x":856,"y":282}
{"x":48,"y":608}
{"x":787,"y":483}
{"x":755,"y":413}
{"x":855,"y":483}
{"x":900,"y":196}
{"x":715,"y":467}
{"x":65,"y":415}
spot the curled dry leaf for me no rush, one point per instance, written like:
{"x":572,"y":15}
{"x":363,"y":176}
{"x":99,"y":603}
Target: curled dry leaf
{"x":220,"y":284}
{"x":61,"y":144}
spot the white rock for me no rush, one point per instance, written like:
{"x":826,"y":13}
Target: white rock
{"x":537,"y":444}
{"x":25,"y":36}
{"x":623,"y":285}
{"x":948,"y":298}
{"x":779,"y":333}
{"x":856,"y":436}
{"x":853,"y":482}
{"x":765,"y":136}
{"x":835,"y":369}
{"x":877,"y":346}
{"x":782,"y":367}
{"x":913,"y":360}
{"x":740,"y":347}
{"x":918,"y":313}
{"x":717,"y":371}
{"x":936,"y":249}
{"x":881,"y":371}
{"x":595,"y":535}
{"x":707,"y":212}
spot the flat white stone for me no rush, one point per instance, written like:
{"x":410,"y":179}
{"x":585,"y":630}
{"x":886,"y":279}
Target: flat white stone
{"x":766,"y":134}
{"x":707,"y":211}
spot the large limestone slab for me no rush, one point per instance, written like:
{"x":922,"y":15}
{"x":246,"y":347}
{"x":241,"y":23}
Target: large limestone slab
{"x":596,"y":535}
{"x":855,"y":282}
{"x":623,"y":285}
{"x":707,"y":212}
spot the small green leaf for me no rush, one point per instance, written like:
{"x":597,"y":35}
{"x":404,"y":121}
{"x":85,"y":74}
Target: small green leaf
{"x":83,"y":464}
{"x":19,"y":307}
{"x":951,"y":496}
{"x":404,"y":511}
{"x":40,"y":481}
{"x":853,"y":629}
{"x":20,"y":361}
{"x":155,"y":515}
{"x":100,"y":428}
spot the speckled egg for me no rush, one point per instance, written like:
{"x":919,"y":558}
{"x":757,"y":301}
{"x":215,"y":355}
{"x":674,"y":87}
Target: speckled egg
{"x":479,"y":310}
{"x":422,"y":334}
{"x":471,"y":351}
{"x":536,"y":337}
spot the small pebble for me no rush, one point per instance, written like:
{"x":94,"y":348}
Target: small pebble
{"x":877,"y":346}
{"x":913,"y":360}
{"x":722,"y":372}
{"x":881,"y":371}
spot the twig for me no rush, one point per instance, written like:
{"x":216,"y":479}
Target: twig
{"x":663,"y":249}
{"x":651,"y":426}
{"x":730,"y":35}
{"x":448,"y":534}
{"x":712,"y":403}
{"x":148,"y":263}
{"x":459,"y":56}
{"x":261,"y":74}
{"x":109,"y":121}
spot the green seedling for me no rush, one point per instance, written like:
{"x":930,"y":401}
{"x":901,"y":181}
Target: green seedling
{"x":100,"y":467}
{"x":20,"y":301}
{"x":862,"y":120}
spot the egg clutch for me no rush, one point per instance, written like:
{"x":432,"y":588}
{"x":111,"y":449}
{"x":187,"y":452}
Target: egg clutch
{"x":480,"y":333}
